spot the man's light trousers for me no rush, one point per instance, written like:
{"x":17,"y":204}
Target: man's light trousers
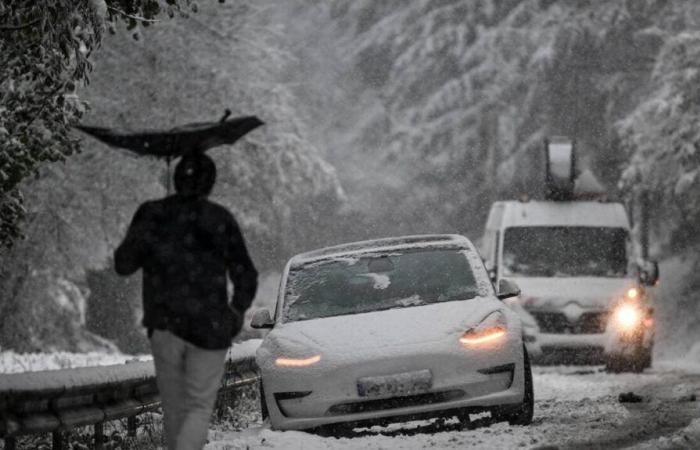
{"x":188,"y":379}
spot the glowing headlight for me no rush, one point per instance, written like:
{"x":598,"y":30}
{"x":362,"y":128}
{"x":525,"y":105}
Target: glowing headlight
{"x":297,"y":362}
{"x":472,"y":337}
{"x":491,"y":330}
{"x":633,"y":293}
{"x":627,"y":317}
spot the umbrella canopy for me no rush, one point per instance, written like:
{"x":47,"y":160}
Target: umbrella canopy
{"x":178,"y":141}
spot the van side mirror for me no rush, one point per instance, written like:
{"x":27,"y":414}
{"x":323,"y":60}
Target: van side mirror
{"x":507,"y":289}
{"x":649,"y":273}
{"x":262,"y":319}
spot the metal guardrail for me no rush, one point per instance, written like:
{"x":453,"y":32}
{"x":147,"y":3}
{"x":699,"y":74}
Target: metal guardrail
{"x":60,"y":400}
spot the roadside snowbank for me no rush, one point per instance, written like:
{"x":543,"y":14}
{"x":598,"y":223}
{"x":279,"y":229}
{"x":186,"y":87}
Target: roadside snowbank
{"x":12,"y":362}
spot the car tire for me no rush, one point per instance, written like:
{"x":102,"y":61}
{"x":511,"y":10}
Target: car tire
{"x":523,"y":414}
{"x":264,"y":412}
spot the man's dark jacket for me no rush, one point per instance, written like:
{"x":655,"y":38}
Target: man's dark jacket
{"x":186,"y":247}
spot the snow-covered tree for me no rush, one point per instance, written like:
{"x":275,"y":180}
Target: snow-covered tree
{"x":179,"y":71}
{"x":45,"y":55}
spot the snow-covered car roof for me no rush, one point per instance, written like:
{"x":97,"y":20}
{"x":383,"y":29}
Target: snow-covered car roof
{"x":386,"y":244}
{"x":353,"y":251}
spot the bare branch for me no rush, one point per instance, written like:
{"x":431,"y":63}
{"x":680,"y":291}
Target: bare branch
{"x":19,"y":27}
{"x":131,"y":16}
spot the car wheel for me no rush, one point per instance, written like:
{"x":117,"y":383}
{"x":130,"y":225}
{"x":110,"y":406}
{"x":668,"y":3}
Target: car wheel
{"x":523,"y":414}
{"x":264,"y":413}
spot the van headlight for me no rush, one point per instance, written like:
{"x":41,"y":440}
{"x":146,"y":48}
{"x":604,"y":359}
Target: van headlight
{"x":627,"y":317}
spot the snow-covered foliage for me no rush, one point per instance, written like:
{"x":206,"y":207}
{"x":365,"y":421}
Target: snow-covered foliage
{"x":449,"y":101}
{"x":45,"y":53}
{"x":663,"y":139}
{"x":428,"y":110}
{"x":179,"y":71}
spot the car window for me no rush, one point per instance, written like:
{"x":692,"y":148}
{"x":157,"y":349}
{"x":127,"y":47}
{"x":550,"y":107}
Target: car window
{"x":374,"y":282}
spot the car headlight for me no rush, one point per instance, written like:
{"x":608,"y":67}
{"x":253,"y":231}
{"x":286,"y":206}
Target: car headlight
{"x":297,"y":362}
{"x":627,"y":317}
{"x":490,"y":331}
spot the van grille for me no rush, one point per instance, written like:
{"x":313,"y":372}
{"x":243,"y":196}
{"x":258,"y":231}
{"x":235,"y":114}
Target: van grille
{"x":557,"y":323}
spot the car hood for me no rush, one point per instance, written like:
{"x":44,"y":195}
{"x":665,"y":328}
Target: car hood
{"x":588,"y":293}
{"x":381,"y":329}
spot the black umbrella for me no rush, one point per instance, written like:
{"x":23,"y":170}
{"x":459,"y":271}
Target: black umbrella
{"x":178,"y":141}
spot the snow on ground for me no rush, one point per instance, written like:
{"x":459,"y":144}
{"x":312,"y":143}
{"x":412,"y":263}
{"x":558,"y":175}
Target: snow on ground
{"x":688,"y":437}
{"x":575,"y":406}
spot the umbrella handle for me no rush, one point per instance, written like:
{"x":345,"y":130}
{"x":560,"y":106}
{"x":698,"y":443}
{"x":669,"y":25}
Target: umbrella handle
{"x":227,"y":113}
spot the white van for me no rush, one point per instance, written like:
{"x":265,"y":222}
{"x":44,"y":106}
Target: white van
{"x":584,"y":289}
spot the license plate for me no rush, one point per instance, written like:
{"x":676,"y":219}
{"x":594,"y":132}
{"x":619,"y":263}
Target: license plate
{"x":407,"y":383}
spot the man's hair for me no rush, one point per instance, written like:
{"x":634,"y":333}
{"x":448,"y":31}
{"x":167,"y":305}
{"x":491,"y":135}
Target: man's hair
{"x":195,"y":175}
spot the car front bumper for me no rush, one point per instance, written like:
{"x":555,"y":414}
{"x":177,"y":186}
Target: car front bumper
{"x":470,"y":379}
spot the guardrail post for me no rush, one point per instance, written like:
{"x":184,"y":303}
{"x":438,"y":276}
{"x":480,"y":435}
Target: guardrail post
{"x":131,"y":426}
{"x":99,"y":436}
{"x":59,"y":440}
{"x":10,"y":443}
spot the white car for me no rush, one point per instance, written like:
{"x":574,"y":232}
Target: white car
{"x":392,"y":329}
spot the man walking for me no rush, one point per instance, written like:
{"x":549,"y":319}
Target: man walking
{"x":186,"y":246}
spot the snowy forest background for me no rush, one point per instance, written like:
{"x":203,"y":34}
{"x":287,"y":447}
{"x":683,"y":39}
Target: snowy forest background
{"x":382,"y":118}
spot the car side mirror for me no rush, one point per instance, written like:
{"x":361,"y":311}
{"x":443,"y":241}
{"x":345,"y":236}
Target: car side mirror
{"x":649,"y":273}
{"x":507,"y":289}
{"x":262,"y":319}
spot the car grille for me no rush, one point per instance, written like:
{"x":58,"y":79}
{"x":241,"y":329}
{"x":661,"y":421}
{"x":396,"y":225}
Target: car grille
{"x":557,"y":323}
{"x":395,"y":402}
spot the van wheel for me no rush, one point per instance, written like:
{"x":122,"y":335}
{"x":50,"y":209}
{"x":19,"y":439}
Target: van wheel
{"x":635,"y":363}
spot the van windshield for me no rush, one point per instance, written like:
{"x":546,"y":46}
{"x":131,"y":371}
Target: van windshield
{"x":565,"y":251}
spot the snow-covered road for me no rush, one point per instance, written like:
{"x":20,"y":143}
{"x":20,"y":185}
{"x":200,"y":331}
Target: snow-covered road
{"x":576,"y":407}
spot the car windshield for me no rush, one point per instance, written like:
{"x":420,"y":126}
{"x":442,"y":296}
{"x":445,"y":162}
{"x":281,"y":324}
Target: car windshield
{"x":373,"y":282}
{"x":565,"y":251}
